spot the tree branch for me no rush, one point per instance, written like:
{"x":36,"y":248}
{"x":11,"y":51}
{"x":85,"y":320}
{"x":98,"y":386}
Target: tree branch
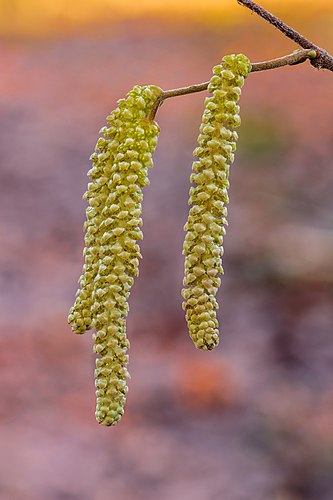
{"x":323,"y":58}
{"x":296,"y":57}
{"x":319,"y":58}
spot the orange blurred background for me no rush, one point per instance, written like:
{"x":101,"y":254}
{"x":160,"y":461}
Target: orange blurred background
{"x":251,"y":420}
{"x":40,"y":18}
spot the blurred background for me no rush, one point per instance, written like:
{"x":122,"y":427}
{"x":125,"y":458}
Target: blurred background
{"x":251,"y":420}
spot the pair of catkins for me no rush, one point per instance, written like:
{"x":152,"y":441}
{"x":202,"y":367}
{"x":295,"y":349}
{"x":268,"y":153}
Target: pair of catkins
{"x":113,"y":225}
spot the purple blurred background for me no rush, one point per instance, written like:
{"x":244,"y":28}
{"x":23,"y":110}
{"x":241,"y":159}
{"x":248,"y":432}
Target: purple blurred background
{"x":251,"y":420}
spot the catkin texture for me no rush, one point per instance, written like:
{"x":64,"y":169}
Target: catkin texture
{"x":113,"y":227}
{"x":204,"y":228}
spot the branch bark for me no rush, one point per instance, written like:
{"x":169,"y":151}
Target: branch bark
{"x":322,"y":60}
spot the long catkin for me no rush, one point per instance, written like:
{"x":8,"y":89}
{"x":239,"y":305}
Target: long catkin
{"x":204,"y":228}
{"x":113,"y":227}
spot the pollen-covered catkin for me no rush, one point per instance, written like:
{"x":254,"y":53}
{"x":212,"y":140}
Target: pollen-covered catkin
{"x":203,"y":248}
{"x":103,"y":159}
{"x":113,"y":227}
{"x":80,"y":315}
{"x":119,"y":254}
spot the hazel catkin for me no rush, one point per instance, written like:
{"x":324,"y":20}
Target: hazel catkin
{"x":113,"y":227}
{"x":204,"y":227}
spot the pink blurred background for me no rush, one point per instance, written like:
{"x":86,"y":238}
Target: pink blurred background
{"x":251,"y":420}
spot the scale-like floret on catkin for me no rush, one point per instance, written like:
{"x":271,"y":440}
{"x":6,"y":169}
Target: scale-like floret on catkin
{"x":204,"y":228}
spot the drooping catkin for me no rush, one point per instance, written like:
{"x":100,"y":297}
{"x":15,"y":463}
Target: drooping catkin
{"x":80,"y":316}
{"x":203,"y":248}
{"x":120,"y":171}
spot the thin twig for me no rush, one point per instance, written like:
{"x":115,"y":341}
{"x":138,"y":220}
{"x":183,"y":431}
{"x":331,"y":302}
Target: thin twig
{"x":289,"y":60}
{"x":323,"y":59}
{"x":296,"y":57}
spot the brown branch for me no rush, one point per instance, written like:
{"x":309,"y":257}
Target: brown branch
{"x":319,"y":58}
{"x":296,"y":57}
{"x":323,"y":58}
{"x":289,"y":60}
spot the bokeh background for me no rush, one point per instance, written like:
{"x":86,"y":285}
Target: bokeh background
{"x":251,"y":420}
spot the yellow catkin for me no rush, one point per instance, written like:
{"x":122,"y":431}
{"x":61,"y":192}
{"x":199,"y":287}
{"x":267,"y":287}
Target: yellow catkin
{"x":203,"y":248}
{"x":120,"y":171}
{"x":80,"y":316}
